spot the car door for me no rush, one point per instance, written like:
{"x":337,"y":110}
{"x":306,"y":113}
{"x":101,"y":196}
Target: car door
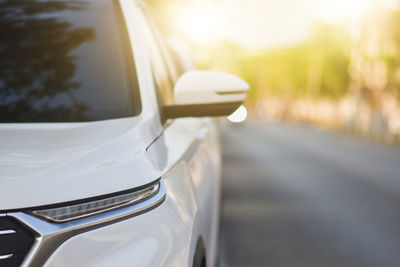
{"x":187,"y":151}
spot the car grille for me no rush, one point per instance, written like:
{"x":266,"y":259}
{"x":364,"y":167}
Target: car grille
{"x":15,"y":242}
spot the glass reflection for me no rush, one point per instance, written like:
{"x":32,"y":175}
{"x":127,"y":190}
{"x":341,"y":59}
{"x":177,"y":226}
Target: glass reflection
{"x":62,"y":61}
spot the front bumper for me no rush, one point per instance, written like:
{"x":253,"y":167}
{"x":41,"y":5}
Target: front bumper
{"x":155,"y":238}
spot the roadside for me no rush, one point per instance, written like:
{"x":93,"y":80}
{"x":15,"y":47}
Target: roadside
{"x":300,"y":196}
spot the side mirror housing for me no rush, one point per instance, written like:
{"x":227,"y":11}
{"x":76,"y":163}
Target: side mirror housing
{"x":206,"y":93}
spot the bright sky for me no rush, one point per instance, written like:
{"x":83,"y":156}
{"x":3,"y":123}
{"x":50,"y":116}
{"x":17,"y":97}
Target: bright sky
{"x":266,"y":23}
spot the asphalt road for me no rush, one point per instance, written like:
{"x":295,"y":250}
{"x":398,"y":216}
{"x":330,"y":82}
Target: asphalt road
{"x":298,"y":196}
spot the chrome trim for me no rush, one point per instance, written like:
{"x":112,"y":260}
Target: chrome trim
{"x":142,"y":195}
{"x":50,"y":235}
{"x":7,"y":232}
{"x":4,"y":257}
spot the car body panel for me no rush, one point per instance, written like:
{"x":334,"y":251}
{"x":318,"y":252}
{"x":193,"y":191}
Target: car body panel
{"x":195,"y":142}
{"x":152,"y":239}
{"x":71,"y":159}
{"x":59,"y":162}
{"x":40,"y":156}
{"x":165,"y":236}
{"x":157,"y":238}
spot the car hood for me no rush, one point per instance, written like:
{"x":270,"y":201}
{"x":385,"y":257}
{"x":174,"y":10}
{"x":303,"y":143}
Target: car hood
{"x":43,"y":164}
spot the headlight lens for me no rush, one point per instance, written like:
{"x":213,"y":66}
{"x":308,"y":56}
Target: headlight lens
{"x":77,"y":211}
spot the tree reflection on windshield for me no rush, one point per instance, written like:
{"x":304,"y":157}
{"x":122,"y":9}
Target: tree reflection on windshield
{"x":36,"y":64}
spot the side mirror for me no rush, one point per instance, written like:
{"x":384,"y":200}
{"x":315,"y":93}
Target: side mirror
{"x":206,"y":93}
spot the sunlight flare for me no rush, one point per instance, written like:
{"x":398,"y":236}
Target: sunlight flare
{"x":200,"y":22}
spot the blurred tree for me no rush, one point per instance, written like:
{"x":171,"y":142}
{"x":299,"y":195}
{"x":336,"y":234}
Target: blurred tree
{"x":318,"y":67}
{"x":392,"y":53}
{"x":355,"y":63}
{"x":329,"y":52}
{"x":322,"y":66}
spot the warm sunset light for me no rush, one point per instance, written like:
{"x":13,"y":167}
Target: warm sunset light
{"x":263,"y":23}
{"x":333,"y":11}
{"x":200,"y":22}
{"x":201,"y":133}
{"x":305,"y":59}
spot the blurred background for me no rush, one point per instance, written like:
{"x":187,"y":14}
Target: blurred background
{"x":332,"y":63}
{"x":312,"y":177}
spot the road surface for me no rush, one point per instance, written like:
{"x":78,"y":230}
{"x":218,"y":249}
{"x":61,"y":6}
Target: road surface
{"x":300,"y":196}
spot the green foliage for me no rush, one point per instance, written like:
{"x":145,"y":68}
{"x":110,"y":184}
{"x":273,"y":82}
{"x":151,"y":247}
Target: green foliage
{"x":334,"y":45}
{"x":392,"y":55}
{"x":318,"y":67}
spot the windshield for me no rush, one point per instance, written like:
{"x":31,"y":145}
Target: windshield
{"x":65,"y":61}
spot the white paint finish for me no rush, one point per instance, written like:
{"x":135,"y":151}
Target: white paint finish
{"x":176,"y":141}
{"x":51,"y":163}
{"x":46,"y":164}
{"x":157,"y":238}
{"x":167,"y":235}
{"x":205,"y":169}
{"x":194,"y":143}
{"x":206,"y":87}
{"x":161,"y":237}
{"x":142,"y":63}
{"x":70,"y":158}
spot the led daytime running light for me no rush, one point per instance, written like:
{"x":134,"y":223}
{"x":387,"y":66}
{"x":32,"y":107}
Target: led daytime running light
{"x":78,"y":211}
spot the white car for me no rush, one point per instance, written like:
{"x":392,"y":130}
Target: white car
{"x":108,"y":156}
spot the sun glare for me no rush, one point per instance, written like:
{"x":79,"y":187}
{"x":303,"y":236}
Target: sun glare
{"x":201,"y":23}
{"x":333,"y":11}
{"x":262,"y":23}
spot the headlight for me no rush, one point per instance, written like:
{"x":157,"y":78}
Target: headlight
{"x":55,"y":224}
{"x":91,"y":207}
